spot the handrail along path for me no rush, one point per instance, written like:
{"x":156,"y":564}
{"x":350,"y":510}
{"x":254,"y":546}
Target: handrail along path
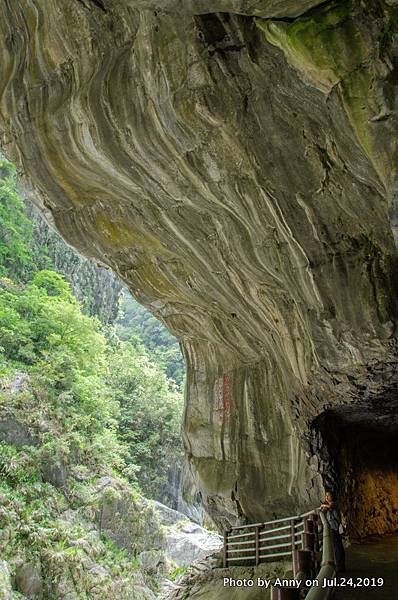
{"x":304,"y":538}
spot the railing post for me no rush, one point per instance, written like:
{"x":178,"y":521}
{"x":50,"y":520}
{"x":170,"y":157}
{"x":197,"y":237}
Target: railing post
{"x":284,"y":593}
{"x":309,"y":526}
{"x":293,"y":536}
{"x":308,"y":541}
{"x":257,"y":542}
{"x":315,"y":520}
{"x":309,"y":538}
{"x":293,"y":543}
{"x":225,"y":557}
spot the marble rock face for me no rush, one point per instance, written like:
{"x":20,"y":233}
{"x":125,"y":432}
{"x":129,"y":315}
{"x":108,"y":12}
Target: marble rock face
{"x":235,"y":163}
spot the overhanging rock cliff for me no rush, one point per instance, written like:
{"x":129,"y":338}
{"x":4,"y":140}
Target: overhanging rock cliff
{"x":237,"y":169}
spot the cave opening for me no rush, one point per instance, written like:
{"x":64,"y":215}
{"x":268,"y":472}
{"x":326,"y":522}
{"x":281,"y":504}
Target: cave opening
{"x":357,"y":449}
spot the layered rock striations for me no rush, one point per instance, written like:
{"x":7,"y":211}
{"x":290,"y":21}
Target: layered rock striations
{"x":237,"y":169}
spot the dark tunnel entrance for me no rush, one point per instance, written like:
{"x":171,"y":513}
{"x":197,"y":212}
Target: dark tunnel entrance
{"x":357,"y":448}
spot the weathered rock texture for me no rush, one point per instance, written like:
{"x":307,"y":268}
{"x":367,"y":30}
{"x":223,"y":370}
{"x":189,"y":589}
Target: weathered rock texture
{"x":239,"y":174}
{"x":205,"y":580}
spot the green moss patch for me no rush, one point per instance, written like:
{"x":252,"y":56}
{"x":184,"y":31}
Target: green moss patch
{"x":334,"y":47}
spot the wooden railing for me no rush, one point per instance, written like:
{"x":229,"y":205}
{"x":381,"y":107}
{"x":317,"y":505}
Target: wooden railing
{"x":260,"y":542}
{"x":305,"y":538}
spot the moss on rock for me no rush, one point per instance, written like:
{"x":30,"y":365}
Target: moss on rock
{"x":330,"y":47}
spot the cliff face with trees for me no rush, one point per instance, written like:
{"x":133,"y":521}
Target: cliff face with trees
{"x":88,"y":423}
{"x":62,"y":456}
{"x":238,"y":170}
{"x":46,"y":328}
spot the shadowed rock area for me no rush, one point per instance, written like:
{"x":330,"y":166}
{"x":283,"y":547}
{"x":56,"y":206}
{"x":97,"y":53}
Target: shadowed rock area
{"x":375,"y":561}
{"x":237,"y":169}
{"x":357,"y":446}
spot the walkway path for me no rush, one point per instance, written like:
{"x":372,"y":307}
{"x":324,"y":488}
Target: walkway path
{"x":377,"y":558}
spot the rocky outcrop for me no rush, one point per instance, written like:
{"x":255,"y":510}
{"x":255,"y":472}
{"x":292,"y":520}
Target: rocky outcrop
{"x":205,"y":580}
{"x":261,"y":8}
{"x":188,"y":542}
{"x":238,"y":171}
{"x":180,"y":493}
{"x":185,"y":542}
{"x":68,"y":526}
{"x":16,"y":433}
{"x":28,"y":581}
{"x":130,"y":522}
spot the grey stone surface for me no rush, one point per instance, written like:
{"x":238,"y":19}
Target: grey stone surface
{"x":29,"y":582}
{"x":240,"y":176}
{"x":16,"y":433}
{"x":5,"y":582}
{"x":153,"y":561}
{"x":55,"y":473}
{"x":130,"y":521}
{"x":188,"y":542}
{"x":167,"y":515}
{"x":204,"y":580}
{"x":180,"y":493}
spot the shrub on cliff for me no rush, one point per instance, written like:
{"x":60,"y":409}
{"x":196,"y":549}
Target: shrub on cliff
{"x":108,"y":388}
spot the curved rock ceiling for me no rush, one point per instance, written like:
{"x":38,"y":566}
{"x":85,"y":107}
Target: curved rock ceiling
{"x":239,"y":174}
{"x":259,"y":8}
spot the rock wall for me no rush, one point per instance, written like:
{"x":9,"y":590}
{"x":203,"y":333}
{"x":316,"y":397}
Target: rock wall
{"x":238,"y":171}
{"x":357,"y":446}
{"x":180,"y":493}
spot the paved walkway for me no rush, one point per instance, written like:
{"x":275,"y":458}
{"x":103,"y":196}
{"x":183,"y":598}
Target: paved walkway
{"x":378,"y":557}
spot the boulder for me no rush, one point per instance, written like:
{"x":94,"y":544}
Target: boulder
{"x":188,"y":542}
{"x":55,"y":473}
{"x":152,"y":561}
{"x":16,"y":433}
{"x":168,"y":516}
{"x":131,"y":522}
{"x":29,"y":582}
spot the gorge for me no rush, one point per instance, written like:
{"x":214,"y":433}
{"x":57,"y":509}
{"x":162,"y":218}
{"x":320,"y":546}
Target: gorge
{"x":235,"y":163}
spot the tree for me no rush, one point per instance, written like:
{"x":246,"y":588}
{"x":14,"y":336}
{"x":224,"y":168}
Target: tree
{"x":15,"y":227}
{"x":150,"y":415}
{"x":135,"y":321}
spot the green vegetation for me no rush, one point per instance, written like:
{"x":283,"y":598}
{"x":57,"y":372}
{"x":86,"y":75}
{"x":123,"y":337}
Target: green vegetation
{"x":59,"y":426}
{"x":150,"y":415}
{"x":17,"y":254}
{"x":47,"y":526}
{"x":89,"y":420}
{"x":109,"y":389}
{"x":129,"y":375}
{"x":28,"y":245}
{"x":330,"y":48}
{"x":137,"y":324}
{"x":177,"y":572}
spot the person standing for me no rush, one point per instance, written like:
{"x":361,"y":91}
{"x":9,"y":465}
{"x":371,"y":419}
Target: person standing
{"x":329,"y":507}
